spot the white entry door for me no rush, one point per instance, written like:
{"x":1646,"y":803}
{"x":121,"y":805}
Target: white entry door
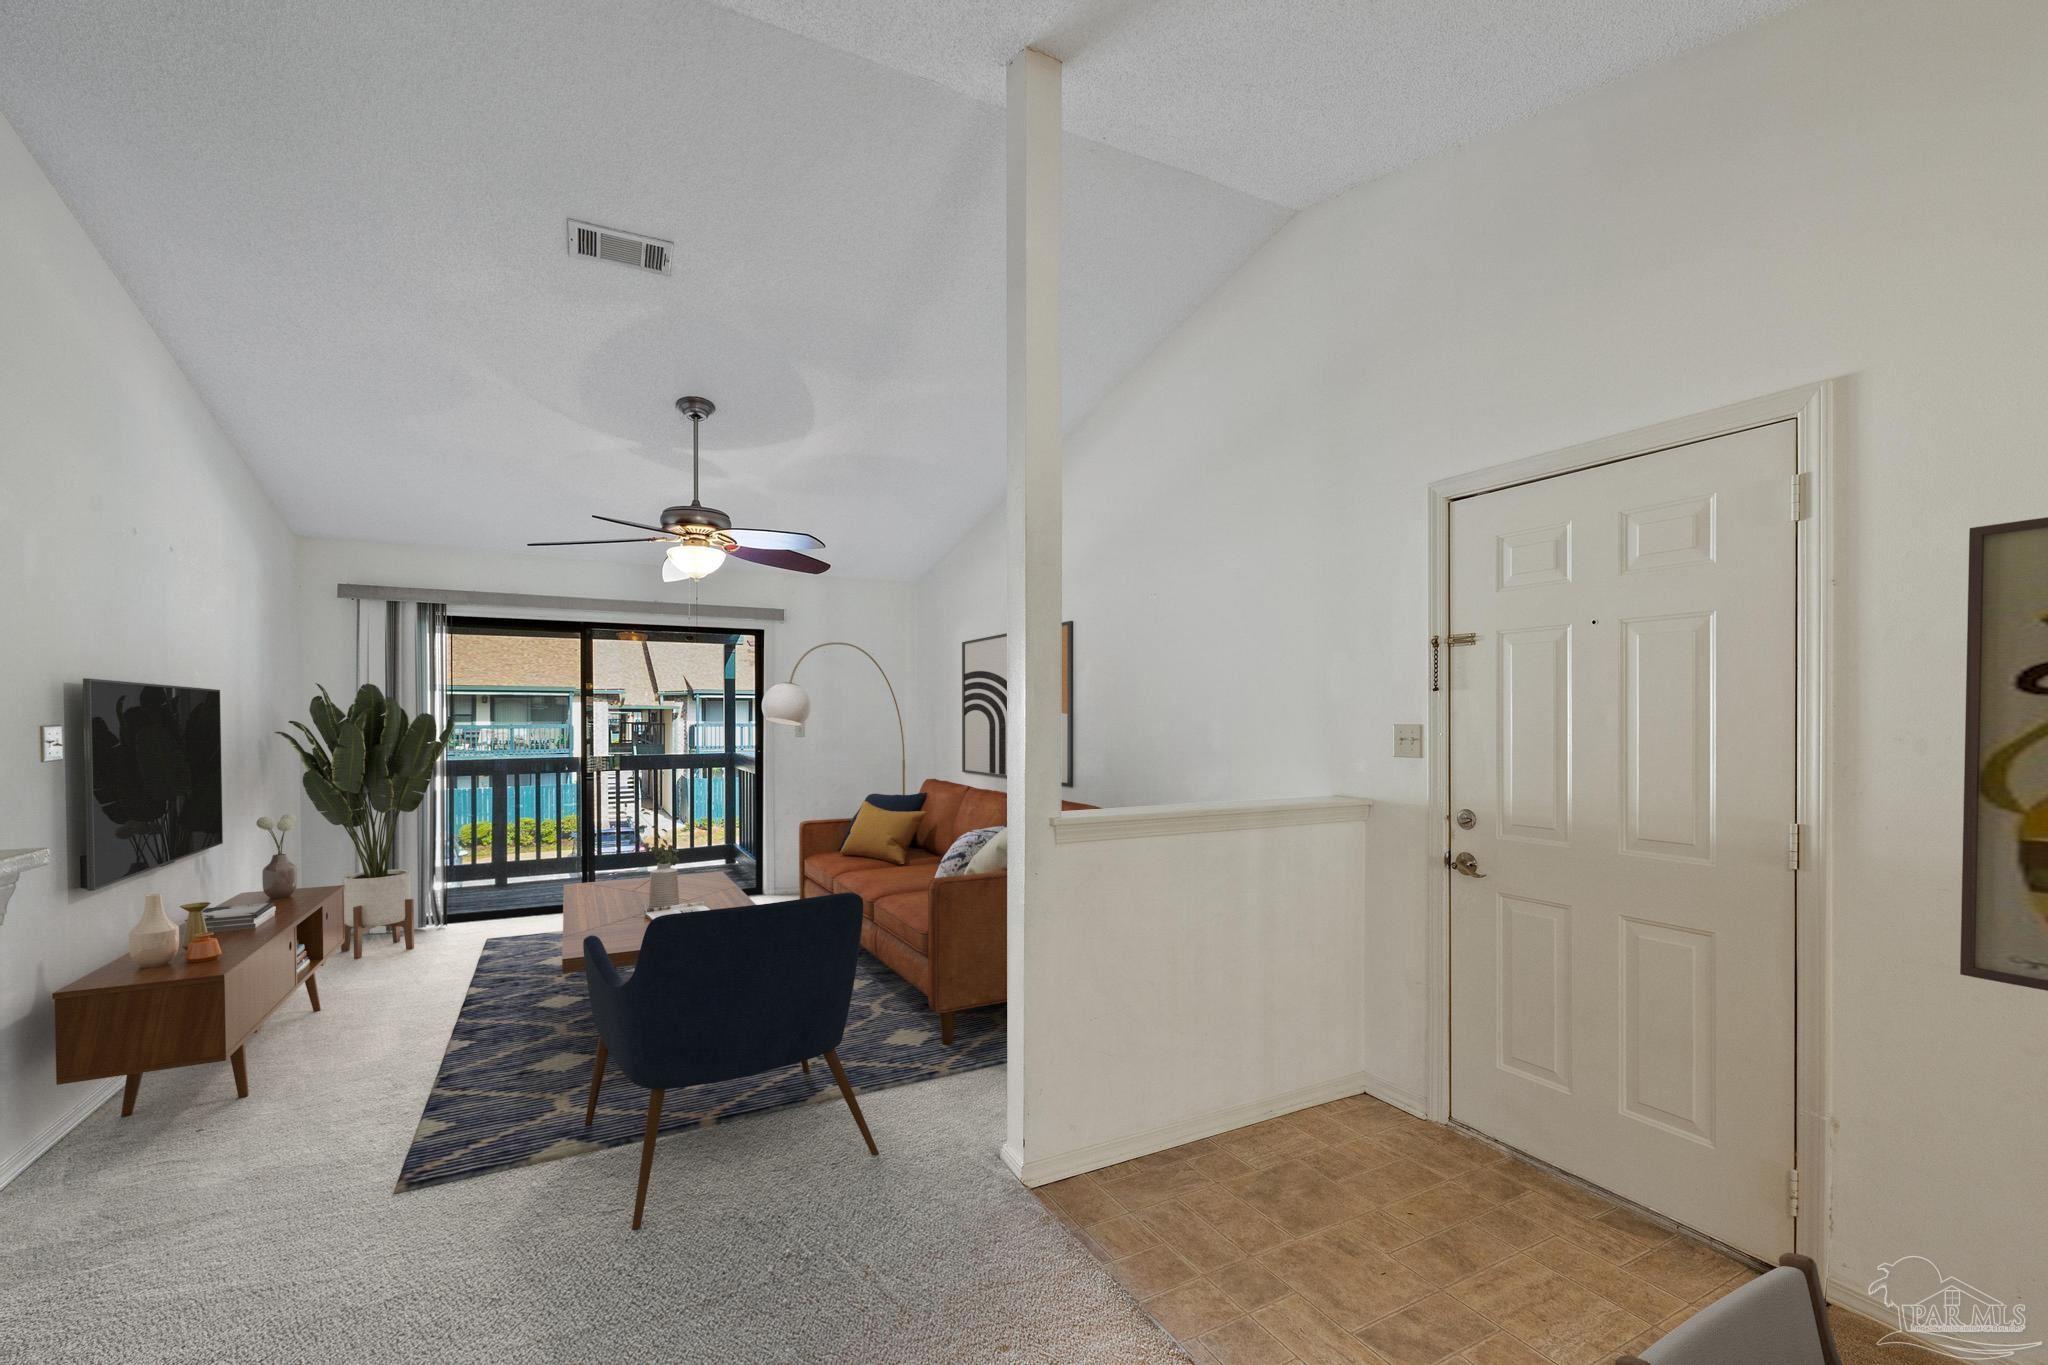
{"x":1623,"y":732}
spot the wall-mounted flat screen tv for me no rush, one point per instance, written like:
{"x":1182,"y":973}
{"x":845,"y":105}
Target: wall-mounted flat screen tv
{"x":152,"y":753}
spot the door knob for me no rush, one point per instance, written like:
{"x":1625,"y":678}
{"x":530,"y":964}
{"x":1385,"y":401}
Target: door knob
{"x":1466,"y":865}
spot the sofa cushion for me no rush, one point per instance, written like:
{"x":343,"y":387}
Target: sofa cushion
{"x":979,"y":808}
{"x":826,"y":868}
{"x":907,"y":915}
{"x":873,"y":883}
{"x":886,"y":835}
{"x":904,"y":960}
{"x":941,"y":800}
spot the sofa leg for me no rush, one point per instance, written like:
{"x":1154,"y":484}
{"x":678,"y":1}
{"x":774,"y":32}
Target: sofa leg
{"x":647,"y":1154}
{"x":946,"y":1028}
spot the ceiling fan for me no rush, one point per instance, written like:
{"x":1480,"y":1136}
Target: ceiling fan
{"x":700,"y":538}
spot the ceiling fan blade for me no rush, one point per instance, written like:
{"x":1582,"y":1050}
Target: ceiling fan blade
{"x":629,"y":540}
{"x":638,"y":526}
{"x":780,"y":559}
{"x":775,"y":540}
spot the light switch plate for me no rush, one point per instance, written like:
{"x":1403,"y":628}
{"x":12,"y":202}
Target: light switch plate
{"x":53,"y":744}
{"x":1407,"y":741}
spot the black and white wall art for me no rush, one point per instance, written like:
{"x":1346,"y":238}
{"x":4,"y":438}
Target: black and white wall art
{"x":985,"y":702}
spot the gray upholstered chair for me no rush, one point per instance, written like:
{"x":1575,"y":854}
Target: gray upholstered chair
{"x":1779,"y":1318}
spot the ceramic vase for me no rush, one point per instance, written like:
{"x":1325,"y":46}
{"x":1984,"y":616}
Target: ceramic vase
{"x":382,"y":899}
{"x":280,"y":878}
{"x":154,"y":939}
{"x":662,"y":890}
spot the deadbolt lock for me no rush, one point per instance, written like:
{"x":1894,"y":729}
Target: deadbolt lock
{"x":1466,"y":819}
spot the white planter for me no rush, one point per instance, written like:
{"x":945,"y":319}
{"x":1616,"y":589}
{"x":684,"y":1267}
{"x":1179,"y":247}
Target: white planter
{"x":381,"y":898}
{"x":662,"y":890}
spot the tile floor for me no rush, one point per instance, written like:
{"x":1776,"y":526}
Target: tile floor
{"x":1356,"y":1234}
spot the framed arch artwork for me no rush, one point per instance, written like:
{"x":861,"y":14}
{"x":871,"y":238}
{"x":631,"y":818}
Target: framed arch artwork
{"x":985,"y":705}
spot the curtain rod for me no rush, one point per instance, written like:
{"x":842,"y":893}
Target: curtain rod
{"x":463,"y":597}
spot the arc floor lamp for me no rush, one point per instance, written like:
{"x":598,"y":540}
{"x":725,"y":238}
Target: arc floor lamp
{"x":788,"y":704}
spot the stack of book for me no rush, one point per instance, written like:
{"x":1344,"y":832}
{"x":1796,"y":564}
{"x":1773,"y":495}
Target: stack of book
{"x":223,"y":917}
{"x":300,"y":959}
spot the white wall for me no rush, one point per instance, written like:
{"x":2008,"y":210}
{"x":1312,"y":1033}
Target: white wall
{"x":1854,"y":189}
{"x":848,"y":750}
{"x":133,"y":544}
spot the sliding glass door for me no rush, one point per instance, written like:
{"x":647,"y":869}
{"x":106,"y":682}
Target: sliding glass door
{"x":578,"y":751}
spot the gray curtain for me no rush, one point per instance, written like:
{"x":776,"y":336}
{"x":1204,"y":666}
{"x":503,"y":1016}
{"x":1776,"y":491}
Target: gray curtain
{"x":429,"y":696}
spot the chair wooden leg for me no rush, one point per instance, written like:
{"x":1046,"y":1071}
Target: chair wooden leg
{"x":807,"y":1066}
{"x":946,"y":1028}
{"x":846,"y":1090}
{"x":239,"y":1060}
{"x":129,"y":1092}
{"x":596,"y":1081}
{"x":359,"y":933}
{"x":647,"y":1154}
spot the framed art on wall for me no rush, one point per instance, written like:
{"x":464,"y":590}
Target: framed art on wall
{"x":2005,"y":823}
{"x":985,"y":705}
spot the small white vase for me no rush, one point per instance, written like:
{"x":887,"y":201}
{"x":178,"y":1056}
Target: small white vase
{"x":154,"y":939}
{"x":382,"y":899}
{"x":662,"y":890}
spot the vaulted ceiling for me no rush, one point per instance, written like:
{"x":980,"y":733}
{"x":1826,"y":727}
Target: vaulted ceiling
{"x":347,"y":221}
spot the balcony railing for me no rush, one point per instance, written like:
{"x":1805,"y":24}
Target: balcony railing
{"x":474,"y":740}
{"x":708,"y":737}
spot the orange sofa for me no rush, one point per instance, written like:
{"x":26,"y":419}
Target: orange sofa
{"x":948,"y":936}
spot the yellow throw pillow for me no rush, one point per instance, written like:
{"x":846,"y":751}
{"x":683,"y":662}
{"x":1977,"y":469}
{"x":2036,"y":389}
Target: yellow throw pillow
{"x":884,"y":835}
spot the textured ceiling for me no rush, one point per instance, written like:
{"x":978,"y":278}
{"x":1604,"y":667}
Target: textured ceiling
{"x":347,"y":222}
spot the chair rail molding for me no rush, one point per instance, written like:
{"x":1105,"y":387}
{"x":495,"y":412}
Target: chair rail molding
{"x":14,"y":862}
{"x":1206,"y":817}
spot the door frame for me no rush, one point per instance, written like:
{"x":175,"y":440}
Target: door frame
{"x":1811,"y":406}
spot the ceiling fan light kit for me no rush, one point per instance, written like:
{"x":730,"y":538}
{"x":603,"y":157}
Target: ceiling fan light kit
{"x":700,"y":539}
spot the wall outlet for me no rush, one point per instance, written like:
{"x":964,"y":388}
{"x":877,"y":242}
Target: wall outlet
{"x":1407,"y":741}
{"x":53,"y":744}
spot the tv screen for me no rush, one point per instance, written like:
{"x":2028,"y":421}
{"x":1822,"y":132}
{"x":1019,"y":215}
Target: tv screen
{"x":153,"y":753}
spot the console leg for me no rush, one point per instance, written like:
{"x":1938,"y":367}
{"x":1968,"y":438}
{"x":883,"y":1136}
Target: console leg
{"x":239,"y":1060}
{"x":129,"y":1092}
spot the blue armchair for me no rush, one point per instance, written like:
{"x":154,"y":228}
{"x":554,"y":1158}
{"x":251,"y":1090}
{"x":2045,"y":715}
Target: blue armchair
{"x":719,"y":994}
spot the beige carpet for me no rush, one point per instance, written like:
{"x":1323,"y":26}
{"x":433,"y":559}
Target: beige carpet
{"x":210,"y":1229}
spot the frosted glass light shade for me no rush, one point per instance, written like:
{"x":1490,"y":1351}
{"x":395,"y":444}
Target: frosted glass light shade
{"x":693,"y":561}
{"x":786,"y":704}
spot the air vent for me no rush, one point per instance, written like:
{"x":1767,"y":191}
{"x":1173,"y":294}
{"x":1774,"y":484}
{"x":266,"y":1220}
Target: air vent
{"x":622,"y":248}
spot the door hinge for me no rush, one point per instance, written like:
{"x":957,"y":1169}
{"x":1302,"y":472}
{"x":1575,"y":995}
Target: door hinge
{"x":1794,"y":845}
{"x":1792,"y":1192}
{"x":1801,"y":504}
{"x":1436,"y":647}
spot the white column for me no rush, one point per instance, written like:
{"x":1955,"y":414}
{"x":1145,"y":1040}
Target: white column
{"x":1034,"y":536}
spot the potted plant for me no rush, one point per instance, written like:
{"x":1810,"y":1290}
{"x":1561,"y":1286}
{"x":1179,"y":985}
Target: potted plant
{"x":364,"y":768}
{"x":662,"y":888}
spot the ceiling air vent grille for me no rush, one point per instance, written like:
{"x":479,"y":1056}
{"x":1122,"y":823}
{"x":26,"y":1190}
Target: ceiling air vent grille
{"x":622,"y":248}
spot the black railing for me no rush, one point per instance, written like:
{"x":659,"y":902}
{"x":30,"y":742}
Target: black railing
{"x":522,"y":818}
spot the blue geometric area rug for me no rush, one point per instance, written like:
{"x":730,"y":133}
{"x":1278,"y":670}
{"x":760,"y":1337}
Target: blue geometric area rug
{"x":517,"y":1072}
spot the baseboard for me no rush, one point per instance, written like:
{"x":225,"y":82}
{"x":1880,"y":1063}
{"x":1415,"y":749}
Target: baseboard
{"x":96,"y":1093}
{"x":1398,"y":1096}
{"x":1048,"y":1169}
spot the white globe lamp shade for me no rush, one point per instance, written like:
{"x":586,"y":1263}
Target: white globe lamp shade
{"x":692,"y":562}
{"x":786,"y":704}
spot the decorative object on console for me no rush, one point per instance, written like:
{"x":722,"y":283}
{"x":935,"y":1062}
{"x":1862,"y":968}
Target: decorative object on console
{"x":2005,"y":824}
{"x":985,"y":705}
{"x":201,"y":945}
{"x":154,"y":939}
{"x":662,"y":888}
{"x":787,"y":704}
{"x":280,"y":878}
{"x":964,"y":848}
{"x":700,"y":538}
{"x":887,"y":836}
{"x":364,"y":768}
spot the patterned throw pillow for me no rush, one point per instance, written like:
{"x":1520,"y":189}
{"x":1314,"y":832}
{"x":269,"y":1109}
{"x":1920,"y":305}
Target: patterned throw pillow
{"x":993,"y":856}
{"x":964,"y":848}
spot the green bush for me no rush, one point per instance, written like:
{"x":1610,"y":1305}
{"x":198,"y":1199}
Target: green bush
{"x":477,"y":835}
{"x":549,"y":831}
{"x":568,"y":826}
{"x":528,"y":831}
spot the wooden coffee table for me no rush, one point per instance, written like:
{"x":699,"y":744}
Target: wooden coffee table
{"x":616,"y":911}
